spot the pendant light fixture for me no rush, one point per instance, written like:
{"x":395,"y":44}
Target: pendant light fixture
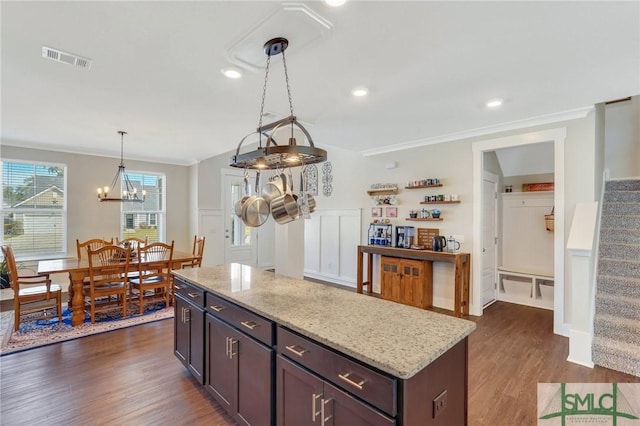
{"x":121,"y":180}
{"x":271,"y":155}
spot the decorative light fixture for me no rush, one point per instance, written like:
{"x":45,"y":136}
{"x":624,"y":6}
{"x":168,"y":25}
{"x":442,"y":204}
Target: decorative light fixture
{"x":272,"y":155}
{"x":129,"y":193}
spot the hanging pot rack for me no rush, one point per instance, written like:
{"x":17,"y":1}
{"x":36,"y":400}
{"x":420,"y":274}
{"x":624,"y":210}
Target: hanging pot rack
{"x":272,"y":156}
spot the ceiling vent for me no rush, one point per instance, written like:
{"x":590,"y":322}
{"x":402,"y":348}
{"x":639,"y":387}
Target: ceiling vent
{"x":65,"y":57}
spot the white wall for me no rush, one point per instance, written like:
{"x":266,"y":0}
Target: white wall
{"x":622,"y":138}
{"x":88,"y":218}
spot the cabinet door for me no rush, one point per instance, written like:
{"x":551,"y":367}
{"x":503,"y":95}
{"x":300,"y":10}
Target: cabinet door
{"x":341,"y":409}
{"x":390,"y":279}
{"x":195,"y":317}
{"x":299,"y":395}
{"x":222,"y":370}
{"x":413,"y":283}
{"x":181,"y":331}
{"x":255,"y":386}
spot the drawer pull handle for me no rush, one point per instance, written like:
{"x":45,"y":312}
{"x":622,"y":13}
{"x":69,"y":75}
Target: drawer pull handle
{"x":299,"y":352}
{"x":358,"y":385}
{"x":324,"y":418}
{"x":217,"y":308}
{"x":249,"y":324}
{"x":193,"y":295}
{"x":177,"y":287}
{"x":314,"y":410}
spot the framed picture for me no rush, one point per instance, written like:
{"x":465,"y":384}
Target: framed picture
{"x":392,"y":212}
{"x":376,"y":211}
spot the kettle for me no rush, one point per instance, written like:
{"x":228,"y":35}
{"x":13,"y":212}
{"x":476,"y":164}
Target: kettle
{"x":438,"y":243}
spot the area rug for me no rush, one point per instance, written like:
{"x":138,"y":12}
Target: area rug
{"x":48,"y":331}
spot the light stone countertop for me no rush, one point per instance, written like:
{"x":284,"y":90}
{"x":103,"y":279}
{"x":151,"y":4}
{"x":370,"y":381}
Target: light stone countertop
{"x":398,"y":339}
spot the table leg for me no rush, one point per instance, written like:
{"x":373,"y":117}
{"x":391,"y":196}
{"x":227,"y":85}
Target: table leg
{"x":457,"y":298}
{"x":370,"y":273}
{"x":359,"y":273}
{"x":465,"y":285}
{"x":76,"y":298}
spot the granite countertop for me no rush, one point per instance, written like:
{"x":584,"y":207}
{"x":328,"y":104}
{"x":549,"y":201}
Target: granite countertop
{"x":398,"y":339}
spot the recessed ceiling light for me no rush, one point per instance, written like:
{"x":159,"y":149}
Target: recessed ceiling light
{"x":231,"y":72}
{"x":494,"y":103}
{"x":335,"y":3}
{"x":359,"y":92}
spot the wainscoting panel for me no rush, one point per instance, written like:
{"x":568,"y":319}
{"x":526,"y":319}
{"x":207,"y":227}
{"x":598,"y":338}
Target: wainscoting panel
{"x":331,"y":239}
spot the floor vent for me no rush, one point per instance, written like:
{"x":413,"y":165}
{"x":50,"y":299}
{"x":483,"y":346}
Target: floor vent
{"x":65,"y":57}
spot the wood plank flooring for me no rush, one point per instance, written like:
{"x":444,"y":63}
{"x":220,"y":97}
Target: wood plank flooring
{"x":130,"y":376}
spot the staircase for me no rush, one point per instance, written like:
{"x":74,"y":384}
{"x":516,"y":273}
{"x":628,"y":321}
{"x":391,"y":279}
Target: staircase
{"x":616,"y":341}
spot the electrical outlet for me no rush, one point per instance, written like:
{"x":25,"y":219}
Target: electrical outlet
{"x":439,"y":403}
{"x":459,"y":238}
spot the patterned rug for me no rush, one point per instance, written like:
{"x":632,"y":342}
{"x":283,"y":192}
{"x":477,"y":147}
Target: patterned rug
{"x":44,"y":332}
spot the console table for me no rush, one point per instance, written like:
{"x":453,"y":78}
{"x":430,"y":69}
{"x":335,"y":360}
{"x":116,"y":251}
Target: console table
{"x":461,"y":261}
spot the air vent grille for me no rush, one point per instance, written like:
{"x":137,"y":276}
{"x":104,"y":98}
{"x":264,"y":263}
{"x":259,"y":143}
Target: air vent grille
{"x":65,"y":57}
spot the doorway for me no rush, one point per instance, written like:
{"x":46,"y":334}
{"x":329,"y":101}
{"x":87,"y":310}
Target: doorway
{"x":557,"y":137}
{"x":489,"y":238}
{"x":240,"y":243}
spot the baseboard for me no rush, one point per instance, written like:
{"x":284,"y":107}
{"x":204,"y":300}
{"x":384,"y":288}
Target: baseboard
{"x":330,"y":278}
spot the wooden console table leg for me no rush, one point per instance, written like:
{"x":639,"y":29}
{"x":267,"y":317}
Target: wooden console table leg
{"x":359,"y":273}
{"x":370,"y":273}
{"x":457,"y":297}
{"x":465,"y":285}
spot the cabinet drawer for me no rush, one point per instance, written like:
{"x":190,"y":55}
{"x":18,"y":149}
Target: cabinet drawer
{"x":250,"y":323}
{"x":190,"y":292}
{"x":371,"y":386}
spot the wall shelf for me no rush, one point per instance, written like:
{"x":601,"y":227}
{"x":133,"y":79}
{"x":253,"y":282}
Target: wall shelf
{"x":424,"y":219}
{"x":382,"y":191}
{"x":440,"y":202}
{"x":423,"y":186}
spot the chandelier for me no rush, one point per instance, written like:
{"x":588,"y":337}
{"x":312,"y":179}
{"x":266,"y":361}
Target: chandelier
{"x":271,"y":155}
{"x":129,"y":192}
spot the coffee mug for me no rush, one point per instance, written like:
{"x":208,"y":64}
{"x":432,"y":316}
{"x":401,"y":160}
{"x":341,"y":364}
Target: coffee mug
{"x":440,"y":197}
{"x":454,"y":197}
{"x":447,"y":197}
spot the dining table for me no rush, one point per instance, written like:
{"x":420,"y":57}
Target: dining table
{"x":78,"y":270}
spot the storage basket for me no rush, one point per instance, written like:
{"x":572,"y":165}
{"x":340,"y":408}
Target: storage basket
{"x":549,"y":220}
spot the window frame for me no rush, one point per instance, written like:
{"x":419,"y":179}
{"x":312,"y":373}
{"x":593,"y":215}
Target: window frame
{"x":44,"y":254}
{"x":160,"y":214}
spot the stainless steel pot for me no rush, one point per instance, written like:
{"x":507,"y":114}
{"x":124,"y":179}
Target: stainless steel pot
{"x":255,"y":211}
{"x":274,"y":188}
{"x":240,"y":203}
{"x":284,"y":209}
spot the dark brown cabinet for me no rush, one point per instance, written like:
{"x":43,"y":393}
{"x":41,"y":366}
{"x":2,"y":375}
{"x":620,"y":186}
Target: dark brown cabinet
{"x":239,"y":373}
{"x":406,"y":281}
{"x":188,"y":333}
{"x":306,"y":399}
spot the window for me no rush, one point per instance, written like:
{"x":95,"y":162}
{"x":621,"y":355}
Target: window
{"x":34,"y":208}
{"x":147,"y":219}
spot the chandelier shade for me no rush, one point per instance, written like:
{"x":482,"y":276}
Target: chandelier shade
{"x":121,"y":180}
{"x":272,"y":155}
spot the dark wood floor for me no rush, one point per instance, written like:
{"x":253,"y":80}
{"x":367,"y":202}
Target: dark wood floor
{"x":130,"y":376}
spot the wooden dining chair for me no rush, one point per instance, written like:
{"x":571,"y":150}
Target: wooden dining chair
{"x":31,"y":293}
{"x":108,"y":280}
{"x":153,"y":283}
{"x":94,"y":243}
{"x":137,"y":241}
{"x":197,"y":251}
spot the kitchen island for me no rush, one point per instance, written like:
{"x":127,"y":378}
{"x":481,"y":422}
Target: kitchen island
{"x":277,"y":350}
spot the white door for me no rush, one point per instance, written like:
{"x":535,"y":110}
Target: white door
{"x":489,"y":237}
{"x":239,"y":240}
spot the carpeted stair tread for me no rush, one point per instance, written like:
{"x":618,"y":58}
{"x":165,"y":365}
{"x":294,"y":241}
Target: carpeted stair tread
{"x":624,"y":236}
{"x":624,"y":307}
{"x":619,"y":268}
{"x":616,"y":328}
{"x":619,"y":208}
{"x":622,"y":196}
{"x":623,"y":185}
{"x":620,"y":222}
{"x":619,"y":251}
{"x":619,"y":286}
{"x":619,"y":356}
